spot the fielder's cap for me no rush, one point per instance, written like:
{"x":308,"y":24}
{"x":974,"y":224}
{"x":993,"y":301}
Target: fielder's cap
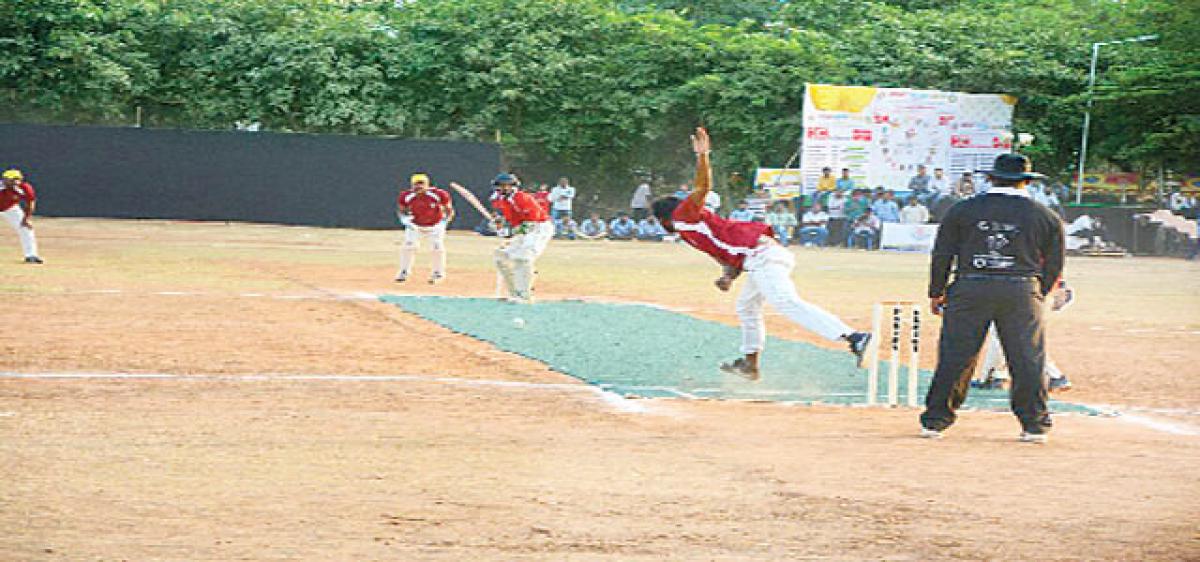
{"x":419,"y":178}
{"x":1013,"y":167}
{"x":505,"y":179}
{"x":13,"y":175}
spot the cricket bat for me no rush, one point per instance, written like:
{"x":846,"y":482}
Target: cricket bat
{"x":474,"y":201}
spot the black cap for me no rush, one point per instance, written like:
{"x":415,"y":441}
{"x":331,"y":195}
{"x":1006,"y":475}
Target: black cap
{"x":1014,"y":167}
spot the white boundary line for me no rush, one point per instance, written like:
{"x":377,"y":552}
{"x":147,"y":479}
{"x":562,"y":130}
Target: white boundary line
{"x":321,"y":296}
{"x":1160,"y":425}
{"x":614,"y":400}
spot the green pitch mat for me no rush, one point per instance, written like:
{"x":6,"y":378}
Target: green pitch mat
{"x":644,"y":351}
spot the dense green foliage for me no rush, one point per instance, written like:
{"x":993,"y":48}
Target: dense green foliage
{"x":606,"y":89}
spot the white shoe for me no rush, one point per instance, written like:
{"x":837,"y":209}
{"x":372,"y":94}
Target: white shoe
{"x":436,"y":278}
{"x":402,"y":278}
{"x":930,"y":433}
{"x":1038,"y":438}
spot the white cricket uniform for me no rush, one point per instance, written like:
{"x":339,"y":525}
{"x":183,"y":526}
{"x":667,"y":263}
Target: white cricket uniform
{"x":768,"y":266}
{"x":769,"y":280}
{"x":413,"y":236}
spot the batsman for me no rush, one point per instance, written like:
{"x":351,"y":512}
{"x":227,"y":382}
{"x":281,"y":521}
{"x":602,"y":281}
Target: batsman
{"x":530,"y":231}
{"x":751,"y":248}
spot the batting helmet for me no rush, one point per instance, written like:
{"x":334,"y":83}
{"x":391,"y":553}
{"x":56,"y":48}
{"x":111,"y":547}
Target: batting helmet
{"x":505,"y":178}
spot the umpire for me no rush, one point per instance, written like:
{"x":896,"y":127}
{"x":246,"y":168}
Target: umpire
{"x":1008,"y":254}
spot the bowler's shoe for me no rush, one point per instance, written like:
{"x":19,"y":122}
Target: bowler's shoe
{"x":858,"y":345}
{"x":741,"y":368}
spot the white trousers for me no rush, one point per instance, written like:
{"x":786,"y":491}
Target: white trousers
{"x":515,"y":259}
{"x":996,"y":366}
{"x":14,"y":216}
{"x":413,"y":235}
{"x":769,"y":280}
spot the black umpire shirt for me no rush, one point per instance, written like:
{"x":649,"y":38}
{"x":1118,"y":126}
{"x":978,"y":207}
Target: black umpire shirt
{"x":1002,"y":232}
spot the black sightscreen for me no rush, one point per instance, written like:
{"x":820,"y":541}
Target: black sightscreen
{"x":302,"y":179}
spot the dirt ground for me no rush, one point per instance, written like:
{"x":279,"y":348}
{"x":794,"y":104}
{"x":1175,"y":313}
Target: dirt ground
{"x":270,"y":409}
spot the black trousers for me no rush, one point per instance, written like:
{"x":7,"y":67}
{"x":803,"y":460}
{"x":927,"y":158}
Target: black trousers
{"x":972,"y":305}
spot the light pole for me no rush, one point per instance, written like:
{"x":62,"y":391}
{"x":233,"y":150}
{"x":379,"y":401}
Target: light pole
{"x":1087,"y":113}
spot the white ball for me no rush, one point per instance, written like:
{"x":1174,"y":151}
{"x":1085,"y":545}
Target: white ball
{"x":518,"y":323}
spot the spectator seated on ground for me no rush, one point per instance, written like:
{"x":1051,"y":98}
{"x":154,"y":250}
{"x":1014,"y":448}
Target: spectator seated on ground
{"x":914,"y":212}
{"x":650,"y":229}
{"x":757,"y":202}
{"x":782,"y":221}
{"x":742,"y":213}
{"x":621,"y":228}
{"x":858,"y":204}
{"x":566,"y":227}
{"x":593,"y":228}
{"x":864,"y":231}
{"x":885,"y":207}
{"x":814,"y":226}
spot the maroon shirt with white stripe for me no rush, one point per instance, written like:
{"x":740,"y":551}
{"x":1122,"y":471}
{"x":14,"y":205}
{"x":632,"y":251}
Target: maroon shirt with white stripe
{"x":22,"y":192}
{"x":729,"y":242}
{"x":428,"y":208}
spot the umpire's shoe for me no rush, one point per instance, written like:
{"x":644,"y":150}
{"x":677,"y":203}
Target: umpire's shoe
{"x":1061,"y":384}
{"x":1036,"y":431}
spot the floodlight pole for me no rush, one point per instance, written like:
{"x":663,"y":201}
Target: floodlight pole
{"x":1087,"y":113}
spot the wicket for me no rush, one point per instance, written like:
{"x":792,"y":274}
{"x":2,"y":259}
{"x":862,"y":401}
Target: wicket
{"x":899,"y":309}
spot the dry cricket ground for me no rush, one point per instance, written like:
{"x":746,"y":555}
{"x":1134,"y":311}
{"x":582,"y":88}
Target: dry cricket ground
{"x":237,"y":392}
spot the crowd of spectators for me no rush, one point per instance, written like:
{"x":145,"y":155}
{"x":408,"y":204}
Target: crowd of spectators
{"x":840,"y":213}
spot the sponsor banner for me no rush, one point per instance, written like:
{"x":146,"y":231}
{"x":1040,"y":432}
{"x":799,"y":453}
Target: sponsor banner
{"x":782,"y":183}
{"x":882,"y":134}
{"x":908,"y":237}
{"x":1108,"y":182}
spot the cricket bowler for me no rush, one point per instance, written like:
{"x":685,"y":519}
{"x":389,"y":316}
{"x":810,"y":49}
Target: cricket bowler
{"x":750,"y":248}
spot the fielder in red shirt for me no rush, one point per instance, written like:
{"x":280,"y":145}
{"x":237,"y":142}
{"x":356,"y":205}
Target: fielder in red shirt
{"x":530,"y":229}
{"x":542,"y":195}
{"x":17,"y":203}
{"x":748,"y":247}
{"x":424,"y":211}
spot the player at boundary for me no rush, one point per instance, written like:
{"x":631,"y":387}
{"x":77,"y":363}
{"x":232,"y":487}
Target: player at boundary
{"x":748,"y":247}
{"x":14,"y":192}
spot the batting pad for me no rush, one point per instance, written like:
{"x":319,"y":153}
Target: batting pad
{"x":650,"y":352}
